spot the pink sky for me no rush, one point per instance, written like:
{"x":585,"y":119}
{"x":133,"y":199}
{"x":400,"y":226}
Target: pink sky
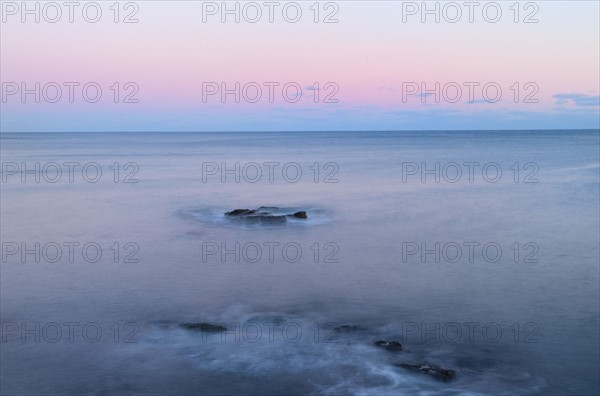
{"x":369,"y":54}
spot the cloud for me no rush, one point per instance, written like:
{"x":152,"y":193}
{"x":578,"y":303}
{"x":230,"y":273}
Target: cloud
{"x":577,"y":99}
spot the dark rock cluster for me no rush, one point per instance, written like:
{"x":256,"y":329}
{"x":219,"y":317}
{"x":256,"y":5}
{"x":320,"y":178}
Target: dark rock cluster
{"x":264,"y":214}
{"x":436,"y":372}
{"x":429,"y":369}
{"x":392,"y":346}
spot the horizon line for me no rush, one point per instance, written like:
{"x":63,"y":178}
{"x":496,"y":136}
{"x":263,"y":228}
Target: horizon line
{"x":330,"y":130}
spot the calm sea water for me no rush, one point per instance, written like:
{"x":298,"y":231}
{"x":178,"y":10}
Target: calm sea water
{"x":494,"y":275}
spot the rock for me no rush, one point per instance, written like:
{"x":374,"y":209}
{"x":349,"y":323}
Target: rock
{"x":392,"y":346}
{"x":264,"y":214}
{"x":436,"y":372}
{"x":240,"y":212}
{"x":267,"y":218}
{"x":300,"y":215}
{"x":204,"y":327}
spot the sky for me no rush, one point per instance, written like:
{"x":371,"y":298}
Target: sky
{"x":305,"y":65}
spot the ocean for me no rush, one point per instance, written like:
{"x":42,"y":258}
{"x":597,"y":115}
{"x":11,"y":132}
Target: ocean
{"x":478,"y":251}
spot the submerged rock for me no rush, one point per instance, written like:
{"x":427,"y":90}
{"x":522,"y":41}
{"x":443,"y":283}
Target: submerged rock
{"x":240,"y":212}
{"x":264,"y":214}
{"x":300,"y":215}
{"x":436,"y":372}
{"x":204,"y":327}
{"x":267,"y":218}
{"x":392,"y":346}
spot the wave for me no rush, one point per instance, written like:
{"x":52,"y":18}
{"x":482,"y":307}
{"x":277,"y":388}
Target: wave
{"x":331,"y":358}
